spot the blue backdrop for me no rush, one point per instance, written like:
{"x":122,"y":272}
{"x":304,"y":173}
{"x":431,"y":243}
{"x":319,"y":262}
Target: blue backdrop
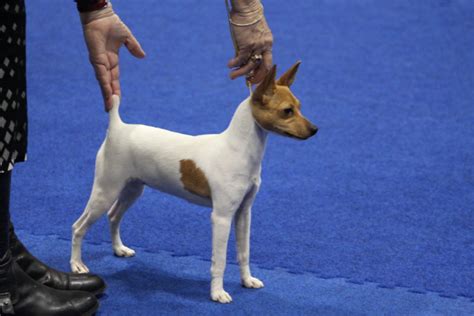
{"x":383,"y":194}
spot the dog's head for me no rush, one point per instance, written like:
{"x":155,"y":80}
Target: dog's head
{"x":276,"y":109}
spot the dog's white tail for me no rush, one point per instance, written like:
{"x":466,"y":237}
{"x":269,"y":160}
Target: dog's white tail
{"x":114,"y":116}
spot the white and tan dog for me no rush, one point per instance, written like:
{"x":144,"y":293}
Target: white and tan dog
{"x":221,"y":171}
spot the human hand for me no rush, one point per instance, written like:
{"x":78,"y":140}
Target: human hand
{"x":251,"y":39}
{"x":104,"y":34}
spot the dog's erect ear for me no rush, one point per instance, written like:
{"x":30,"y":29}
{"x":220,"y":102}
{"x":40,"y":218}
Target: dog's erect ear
{"x":266,"y":87}
{"x":288,"y":77}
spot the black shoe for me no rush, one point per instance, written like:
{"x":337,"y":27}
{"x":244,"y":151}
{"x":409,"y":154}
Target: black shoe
{"x":50,"y":277}
{"x":7,"y":282}
{"x":20,"y":295}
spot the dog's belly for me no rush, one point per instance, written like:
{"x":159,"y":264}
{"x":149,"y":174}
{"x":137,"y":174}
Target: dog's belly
{"x":181,"y":193}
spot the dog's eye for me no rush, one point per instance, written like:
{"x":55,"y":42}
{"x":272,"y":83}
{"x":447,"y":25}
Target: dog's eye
{"x":288,"y":111}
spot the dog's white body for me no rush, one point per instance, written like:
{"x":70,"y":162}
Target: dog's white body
{"x":136,"y":155}
{"x":221,"y":171}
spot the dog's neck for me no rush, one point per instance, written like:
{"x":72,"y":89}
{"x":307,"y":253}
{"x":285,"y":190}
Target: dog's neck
{"x":245,"y":136}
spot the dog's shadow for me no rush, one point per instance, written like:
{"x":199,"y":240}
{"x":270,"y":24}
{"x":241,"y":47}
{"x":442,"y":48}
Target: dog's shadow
{"x":144,"y":283}
{"x":141,"y":280}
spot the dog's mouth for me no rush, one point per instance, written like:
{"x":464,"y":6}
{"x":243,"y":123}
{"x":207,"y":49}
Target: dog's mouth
{"x":285,"y":133}
{"x":294,"y":136}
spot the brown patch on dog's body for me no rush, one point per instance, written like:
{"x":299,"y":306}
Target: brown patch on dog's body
{"x":193,"y":178}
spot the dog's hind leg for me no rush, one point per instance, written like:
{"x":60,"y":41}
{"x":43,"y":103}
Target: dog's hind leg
{"x":101,"y":200}
{"x":128,"y":196}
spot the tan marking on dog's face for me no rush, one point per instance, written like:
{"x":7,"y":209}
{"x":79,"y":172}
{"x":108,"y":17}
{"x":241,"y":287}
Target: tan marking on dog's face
{"x":280,"y":112}
{"x":194,"y":180}
{"x":276,"y":109}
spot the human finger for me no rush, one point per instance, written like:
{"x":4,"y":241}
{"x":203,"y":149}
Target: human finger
{"x":262,"y":70}
{"x":244,"y":70}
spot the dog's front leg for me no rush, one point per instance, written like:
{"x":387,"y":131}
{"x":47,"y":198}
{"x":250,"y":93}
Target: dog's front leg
{"x":242,"y":232}
{"x":221,"y":222}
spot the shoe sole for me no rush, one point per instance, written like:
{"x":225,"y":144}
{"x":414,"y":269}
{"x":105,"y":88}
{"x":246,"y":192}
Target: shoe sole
{"x":100,"y":291}
{"x":92,"y":311}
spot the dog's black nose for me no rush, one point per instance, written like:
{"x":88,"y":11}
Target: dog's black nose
{"x":313,"y":129}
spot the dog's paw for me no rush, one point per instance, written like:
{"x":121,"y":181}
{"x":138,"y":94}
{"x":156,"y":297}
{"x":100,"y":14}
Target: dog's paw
{"x":79,"y":267}
{"x":221,"y":296}
{"x":252,"y":283}
{"x":124,"y":251}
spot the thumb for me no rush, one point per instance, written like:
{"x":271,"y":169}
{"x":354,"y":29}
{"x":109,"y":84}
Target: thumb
{"x":134,"y":47}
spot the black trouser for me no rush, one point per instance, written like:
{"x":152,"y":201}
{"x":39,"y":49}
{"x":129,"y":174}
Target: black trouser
{"x":5,"y":180}
{"x":13,"y":120}
{"x":13,"y":107}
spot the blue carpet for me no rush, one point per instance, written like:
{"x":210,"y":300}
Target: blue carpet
{"x":161,"y":283}
{"x":383,"y":194}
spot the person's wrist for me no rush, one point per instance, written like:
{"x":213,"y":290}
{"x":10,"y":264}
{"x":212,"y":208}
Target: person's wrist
{"x":249,"y":16}
{"x":89,"y":16}
{"x":245,"y":6}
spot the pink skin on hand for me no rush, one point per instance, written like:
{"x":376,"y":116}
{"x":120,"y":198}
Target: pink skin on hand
{"x":255,"y":39}
{"x":104,"y":35}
